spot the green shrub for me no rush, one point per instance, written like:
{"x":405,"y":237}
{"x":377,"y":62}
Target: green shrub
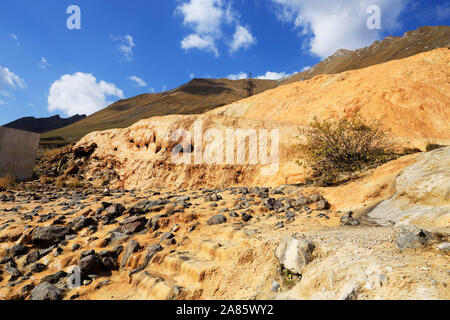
{"x":347,"y":146}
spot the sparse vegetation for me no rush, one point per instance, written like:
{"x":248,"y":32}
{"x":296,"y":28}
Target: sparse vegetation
{"x":7,"y":182}
{"x":338,"y":149}
{"x":289,"y":280}
{"x":72,"y":183}
{"x":46,"y":180}
{"x":433,"y":146}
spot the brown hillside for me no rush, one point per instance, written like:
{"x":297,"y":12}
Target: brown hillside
{"x":413,"y":42}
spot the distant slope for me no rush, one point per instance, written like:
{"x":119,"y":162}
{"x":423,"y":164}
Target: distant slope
{"x":197,"y":96}
{"x":41,"y":125}
{"x":413,"y":42}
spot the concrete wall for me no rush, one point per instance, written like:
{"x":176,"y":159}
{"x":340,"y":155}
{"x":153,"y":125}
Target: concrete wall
{"x":17,"y":152}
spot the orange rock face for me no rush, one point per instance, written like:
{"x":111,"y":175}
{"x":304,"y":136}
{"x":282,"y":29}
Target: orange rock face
{"x":409,"y":96}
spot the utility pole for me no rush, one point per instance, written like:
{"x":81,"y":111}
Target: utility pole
{"x":250,"y":85}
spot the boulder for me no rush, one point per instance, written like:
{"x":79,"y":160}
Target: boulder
{"x":348,"y":220}
{"x":82,"y":222}
{"x":47,"y":236}
{"x":444,"y":247}
{"x":46,"y":291}
{"x":18,"y":250}
{"x":217,"y":219}
{"x":412,"y":238}
{"x":110,"y":263}
{"x":91,"y":264}
{"x":294,"y":254}
{"x":323,"y":205}
{"x":115,"y":210}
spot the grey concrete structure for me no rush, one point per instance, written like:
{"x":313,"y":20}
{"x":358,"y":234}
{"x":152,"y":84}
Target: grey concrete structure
{"x":17,"y":152}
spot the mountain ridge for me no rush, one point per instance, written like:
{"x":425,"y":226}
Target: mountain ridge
{"x":42,"y":125}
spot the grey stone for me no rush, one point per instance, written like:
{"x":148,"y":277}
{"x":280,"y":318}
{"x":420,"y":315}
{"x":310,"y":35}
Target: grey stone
{"x":294,"y":253}
{"x":275,"y":287}
{"x":412,"y":238}
{"x":217,"y":219}
{"x":18,"y":250}
{"x":46,"y":291}
{"x":91,"y":264}
{"x":131,"y":248}
{"x":38,"y":268}
{"x":348,"y":220}
{"x":323,"y":205}
{"x":47,"y":236}
{"x":445,"y":247}
{"x":110,"y":263}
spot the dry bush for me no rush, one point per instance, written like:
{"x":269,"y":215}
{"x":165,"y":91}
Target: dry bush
{"x":46,"y":180}
{"x":7,"y":181}
{"x":433,"y":146}
{"x":72,"y":183}
{"x":344,"y":147}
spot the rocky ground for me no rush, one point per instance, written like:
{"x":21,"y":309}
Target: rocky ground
{"x":234,"y":243}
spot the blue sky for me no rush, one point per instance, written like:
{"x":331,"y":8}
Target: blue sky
{"x":125,"y":48}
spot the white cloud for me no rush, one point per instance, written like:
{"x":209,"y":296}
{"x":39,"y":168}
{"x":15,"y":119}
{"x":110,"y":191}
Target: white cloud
{"x":125,"y":46}
{"x":199,"y":42}
{"x":137,"y":81}
{"x":332,"y":25}
{"x":269,"y":75}
{"x":192,"y":75}
{"x":80,"y":93}
{"x":31,"y":104}
{"x":242,"y":39}
{"x":9,"y":80}
{"x":206,"y":19}
{"x":238,"y":76}
{"x":44,"y":63}
{"x":305,"y":68}
{"x":2,"y":102}
{"x":273,"y":75}
{"x":151,"y":90}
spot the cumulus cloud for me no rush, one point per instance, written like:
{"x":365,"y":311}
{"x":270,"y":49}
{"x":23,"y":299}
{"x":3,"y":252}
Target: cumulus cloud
{"x":44,"y":63}
{"x":125,"y":46}
{"x":237,"y":76}
{"x":242,"y":39}
{"x":332,"y":25}
{"x":206,"y":19}
{"x":80,"y":93}
{"x":137,"y":81}
{"x":269,"y":75}
{"x":201,"y":42}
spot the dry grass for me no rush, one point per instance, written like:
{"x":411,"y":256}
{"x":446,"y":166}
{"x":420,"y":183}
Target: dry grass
{"x":7,"y":181}
{"x":46,"y":180}
{"x":72,"y":183}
